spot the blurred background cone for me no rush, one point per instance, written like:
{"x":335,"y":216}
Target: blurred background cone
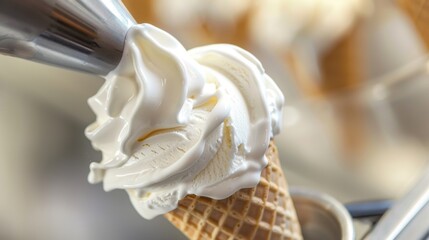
{"x":342,"y":71}
{"x":342,"y":65}
{"x":201,"y":23}
{"x":142,"y":11}
{"x":263,"y":212}
{"x":418,"y":11}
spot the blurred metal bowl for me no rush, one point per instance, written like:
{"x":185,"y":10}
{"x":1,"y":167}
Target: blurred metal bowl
{"x":321,"y":216}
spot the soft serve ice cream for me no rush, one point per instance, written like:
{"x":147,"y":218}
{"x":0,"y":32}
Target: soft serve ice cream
{"x":172,"y":122}
{"x":307,"y":29}
{"x":282,"y":24}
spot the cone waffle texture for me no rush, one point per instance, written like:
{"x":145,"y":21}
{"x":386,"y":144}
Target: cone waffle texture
{"x":418,"y":11}
{"x":263,"y":212}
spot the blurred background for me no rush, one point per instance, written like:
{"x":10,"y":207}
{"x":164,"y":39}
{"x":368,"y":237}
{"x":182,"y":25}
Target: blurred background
{"x":354,"y":73}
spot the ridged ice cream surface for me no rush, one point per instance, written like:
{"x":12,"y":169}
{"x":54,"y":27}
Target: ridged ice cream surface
{"x":172,"y":122}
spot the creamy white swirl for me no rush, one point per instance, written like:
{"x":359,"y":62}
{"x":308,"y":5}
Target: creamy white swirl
{"x":172,"y":122}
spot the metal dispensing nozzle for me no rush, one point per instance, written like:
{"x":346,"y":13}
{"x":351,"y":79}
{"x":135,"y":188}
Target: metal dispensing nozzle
{"x":83,"y":35}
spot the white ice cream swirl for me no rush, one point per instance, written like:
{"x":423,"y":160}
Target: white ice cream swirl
{"x":172,"y":122}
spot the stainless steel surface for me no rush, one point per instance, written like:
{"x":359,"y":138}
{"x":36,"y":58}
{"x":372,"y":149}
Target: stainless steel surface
{"x":321,"y":216}
{"x":84,"y":35}
{"x":408,"y":216}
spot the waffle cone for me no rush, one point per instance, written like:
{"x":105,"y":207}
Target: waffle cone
{"x":305,"y":79}
{"x":418,"y":11}
{"x":342,"y":65}
{"x":142,"y":11}
{"x":263,"y":212}
{"x":342,"y":71}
